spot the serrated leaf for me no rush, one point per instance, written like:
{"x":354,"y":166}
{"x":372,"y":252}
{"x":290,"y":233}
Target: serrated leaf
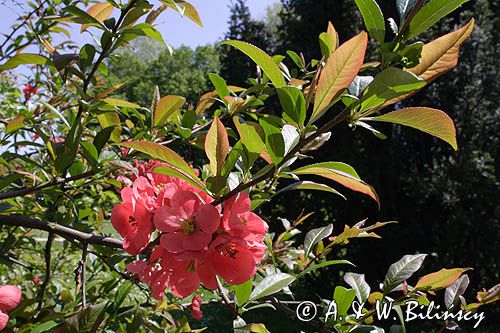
{"x":314,"y":236}
{"x":452,"y":293}
{"x":166,"y":107}
{"x":373,"y":18}
{"x":340,"y":70}
{"x":25,"y":59}
{"x":262,"y":59}
{"x":217,"y":146}
{"x":431,"y":13}
{"x":402,"y":270}
{"x":428,"y":120}
{"x":440,"y":280}
{"x":271,"y":284}
{"x":341,"y":173}
{"x":358,"y":283}
{"x":441,"y":55}
{"x":388,"y":84}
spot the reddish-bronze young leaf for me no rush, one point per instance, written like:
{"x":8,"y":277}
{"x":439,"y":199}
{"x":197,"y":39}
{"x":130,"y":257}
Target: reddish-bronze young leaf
{"x":217,"y":146}
{"x":428,"y":120}
{"x":441,"y":55}
{"x":340,"y":69}
{"x":100,"y":11}
{"x":166,"y":107}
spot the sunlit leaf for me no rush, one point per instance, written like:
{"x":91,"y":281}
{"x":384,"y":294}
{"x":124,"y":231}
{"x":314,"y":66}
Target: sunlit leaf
{"x":341,"y":173}
{"x":358,"y":283}
{"x":344,"y":298}
{"x":262,"y":59}
{"x":188,"y":10}
{"x":428,"y":120}
{"x":452,"y":293}
{"x":404,"y":7}
{"x":388,"y":84}
{"x":327,"y":263}
{"x":25,"y":59}
{"x":217,"y":146}
{"x":402,"y":270}
{"x":254,"y":328}
{"x":308,"y":185}
{"x":441,"y":55}
{"x":120,"y":103}
{"x":340,"y":69}
{"x":293,"y":102}
{"x":373,"y":18}
{"x":166,"y":107}
{"x":15,"y":124}
{"x":440,"y":280}
{"x":100,"y":11}
{"x":489,"y":296}
{"x":432,"y":12}
{"x":314,"y":236}
{"x":271,"y":284}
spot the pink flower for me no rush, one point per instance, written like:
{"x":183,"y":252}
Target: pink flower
{"x":233,"y":259}
{"x":239,"y":221}
{"x":29,"y":90}
{"x":134,"y":226}
{"x":188,"y":223}
{"x":10,"y":298}
{"x":196,"y":308}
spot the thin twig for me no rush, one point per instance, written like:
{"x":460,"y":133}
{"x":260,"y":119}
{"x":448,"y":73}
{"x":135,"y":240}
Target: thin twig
{"x":230,"y":305}
{"x":66,"y":232}
{"x":46,"y":280}
{"x":83,"y":262}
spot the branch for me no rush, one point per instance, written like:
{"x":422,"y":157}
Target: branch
{"x":63,"y":231}
{"x":83,"y":262}
{"x":54,"y":182}
{"x":46,"y":280}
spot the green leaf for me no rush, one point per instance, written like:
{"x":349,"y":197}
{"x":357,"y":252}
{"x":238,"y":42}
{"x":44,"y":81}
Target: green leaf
{"x":431,"y":13}
{"x":341,"y":173}
{"x":220,"y":85}
{"x":165,"y":108}
{"x":308,"y":185}
{"x":293,"y":102}
{"x":80,"y":16}
{"x":428,"y":120}
{"x":66,"y":157}
{"x":120,"y":103}
{"x":217,"y":146}
{"x":358,"y":283}
{"x":243,"y":291}
{"x":368,"y":329}
{"x":440,"y":280}
{"x":25,"y":59}
{"x":402,"y":270}
{"x":89,"y":151}
{"x":167,"y":155}
{"x":344,"y":298}
{"x":188,"y":10}
{"x":111,"y":119}
{"x":102,"y":138}
{"x":262,"y":59}
{"x":314,"y":267}
{"x":314,"y":236}
{"x":271,"y":284}
{"x":388,"y":84}
{"x":340,"y":70}
{"x":373,"y":18}
{"x":44,"y":327}
{"x":296,"y":59}
{"x":15,"y":124}
{"x":141,"y":30}
{"x":275,"y":143}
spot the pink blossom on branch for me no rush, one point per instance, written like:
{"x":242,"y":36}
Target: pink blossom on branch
{"x":198,"y":241}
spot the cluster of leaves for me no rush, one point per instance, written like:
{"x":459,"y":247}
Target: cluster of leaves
{"x":87,"y":136}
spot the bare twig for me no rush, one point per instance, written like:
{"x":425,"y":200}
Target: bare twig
{"x":66,"y":232}
{"x":230,"y":305}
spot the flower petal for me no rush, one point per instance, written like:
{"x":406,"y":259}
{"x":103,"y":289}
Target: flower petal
{"x":208,"y":219}
{"x":10,"y":297}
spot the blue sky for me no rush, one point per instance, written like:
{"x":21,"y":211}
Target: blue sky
{"x":175,"y":29}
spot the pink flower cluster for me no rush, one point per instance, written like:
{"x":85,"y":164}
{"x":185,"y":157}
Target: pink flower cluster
{"x":198,"y":241}
{"x":29,"y":90}
{"x":10,"y":297}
